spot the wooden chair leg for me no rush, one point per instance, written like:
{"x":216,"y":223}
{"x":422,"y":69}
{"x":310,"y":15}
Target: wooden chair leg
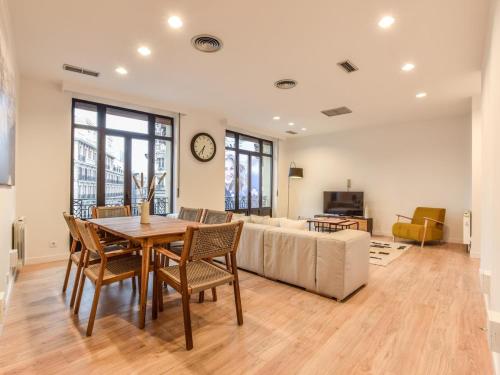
{"x":76,"y":284}
{"x":134,"y":285}
{"x":201,"y":296}
{"x":187,"y":321}
{"x":214,"y":294}
{"x":97,"y":292}
{"x":228,"y":264}
{"x":68,"y":271}
{"x":80,"y":292}
{"x":237,"y":301}
{"x":154,"y":312}
{"x":160,"y":294}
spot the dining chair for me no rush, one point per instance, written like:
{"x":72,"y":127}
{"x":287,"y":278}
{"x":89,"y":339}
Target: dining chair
{"x":112,"y":266}
{"x":190,"y":214}
{"x":75,"y":255}
{"x":194,"y":273}
{"x":100,"y":212}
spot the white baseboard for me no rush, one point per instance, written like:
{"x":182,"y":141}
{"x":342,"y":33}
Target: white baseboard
{"x":46,"y":259}
{"x":484,"y":281}
{"x":449,"y":240}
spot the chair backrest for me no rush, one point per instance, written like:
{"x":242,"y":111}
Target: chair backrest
{"x":70,"y":221}
{"x":88,"y":237}
{"x":190,"y":214}
{"x":110,"y":211}
{"x":432,"y":213}
{"x":211,"y":241}
{"x":216,"y":217}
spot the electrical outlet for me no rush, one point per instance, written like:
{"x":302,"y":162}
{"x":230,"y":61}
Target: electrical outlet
{"x":52,"y":244}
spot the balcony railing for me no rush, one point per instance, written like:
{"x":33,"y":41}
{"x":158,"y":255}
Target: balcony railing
{"x":243,"y":203}
{"x":82,"y":208}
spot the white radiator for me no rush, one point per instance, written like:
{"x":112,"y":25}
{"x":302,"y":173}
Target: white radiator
{"x":467,"y":229}
{"x":18,"y":243}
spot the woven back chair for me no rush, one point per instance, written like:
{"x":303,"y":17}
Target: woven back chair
{"x":216,"y":217}
{"x":196,"y":272}
{"x":110,"y":211}
{"x":190,"y":214}
{"x":113,"y":266}
{"x":74,"y":256}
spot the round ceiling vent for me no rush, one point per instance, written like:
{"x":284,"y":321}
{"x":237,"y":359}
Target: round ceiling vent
{"x":206,"y":43}
{"x":285,"y":84}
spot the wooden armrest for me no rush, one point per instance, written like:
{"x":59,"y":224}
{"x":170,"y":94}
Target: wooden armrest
{"x":403,"y":216}
{"x":168,"y":253}
{"x":434,"y":220}
{"x":119,"y":252}
{"x":113,"y":241}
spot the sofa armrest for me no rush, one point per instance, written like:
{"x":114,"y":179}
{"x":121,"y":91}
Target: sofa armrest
{"x":342,"y":263}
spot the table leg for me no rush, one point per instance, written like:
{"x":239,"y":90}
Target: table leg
{"x":146,"y":251}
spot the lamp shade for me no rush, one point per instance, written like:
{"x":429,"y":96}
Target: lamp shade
{"x":295,"y":172}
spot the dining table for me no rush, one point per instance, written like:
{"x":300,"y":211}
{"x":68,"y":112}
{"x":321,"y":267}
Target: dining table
{"x":161,"y":230}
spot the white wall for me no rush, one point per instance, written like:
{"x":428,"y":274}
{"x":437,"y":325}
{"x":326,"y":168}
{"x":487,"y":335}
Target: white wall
{"x":7,"y":194}
{"x":398,"y":167}
{"x":44,"y":161}
{"x":476,"y":159}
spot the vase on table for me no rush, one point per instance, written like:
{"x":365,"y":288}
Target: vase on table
{"x":145,"y":216}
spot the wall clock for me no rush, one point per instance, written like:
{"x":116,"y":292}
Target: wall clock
{"x":203,"y":147}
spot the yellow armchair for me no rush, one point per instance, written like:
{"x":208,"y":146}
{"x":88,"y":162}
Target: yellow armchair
{"x":426,"y":225}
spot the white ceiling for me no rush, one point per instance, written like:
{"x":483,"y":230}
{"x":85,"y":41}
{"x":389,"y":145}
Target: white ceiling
{"x":264,"y":41}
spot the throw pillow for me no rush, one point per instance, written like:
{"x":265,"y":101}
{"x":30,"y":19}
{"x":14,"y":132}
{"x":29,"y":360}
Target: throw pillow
{"x":265,"y":220}
{"x":241,"y":217}
{"x":293,"y":224}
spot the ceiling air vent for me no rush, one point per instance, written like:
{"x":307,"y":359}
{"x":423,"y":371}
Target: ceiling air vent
{"x":77,"y":69}
{"x":206,"y":43}
{"x":348,"y":66}
{"x":285,"y":84}
{"x":336,"y":111}
{"x":291,"y":132}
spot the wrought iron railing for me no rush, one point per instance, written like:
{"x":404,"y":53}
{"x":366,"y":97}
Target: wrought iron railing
{"x":243,"y":203}
{"x":82,"y":208}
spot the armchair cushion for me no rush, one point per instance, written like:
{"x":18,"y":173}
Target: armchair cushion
{"x":415,"y":229}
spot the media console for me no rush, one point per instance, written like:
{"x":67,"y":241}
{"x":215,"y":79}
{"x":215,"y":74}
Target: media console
{"x":365,"y":224}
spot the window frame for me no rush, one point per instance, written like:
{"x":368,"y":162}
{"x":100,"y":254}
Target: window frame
{"x":267,"y":210}
{"x":102,"y":132}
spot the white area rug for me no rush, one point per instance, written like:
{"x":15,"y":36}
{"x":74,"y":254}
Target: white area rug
{"x":383,"y":253}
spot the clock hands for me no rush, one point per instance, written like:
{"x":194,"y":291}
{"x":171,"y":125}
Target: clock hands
{"x":201,"y":152}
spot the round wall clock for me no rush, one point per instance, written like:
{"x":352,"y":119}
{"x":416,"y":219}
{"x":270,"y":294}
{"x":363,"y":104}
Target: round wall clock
{"x":203,"y":147}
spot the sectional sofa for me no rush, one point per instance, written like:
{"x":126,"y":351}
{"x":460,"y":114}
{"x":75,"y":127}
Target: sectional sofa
{"x":330,"y":264}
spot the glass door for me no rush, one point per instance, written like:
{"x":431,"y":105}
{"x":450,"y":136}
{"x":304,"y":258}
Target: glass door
{"x":114,"y":191}
{"x":139,"y":169}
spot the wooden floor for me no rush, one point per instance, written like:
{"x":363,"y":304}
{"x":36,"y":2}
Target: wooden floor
{"x":423,"y":314}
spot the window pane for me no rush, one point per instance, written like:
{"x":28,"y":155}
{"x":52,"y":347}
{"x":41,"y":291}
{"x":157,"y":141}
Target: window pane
{"x":243,"y":182}
{"x":230,"y":180}
{"x":120,"y":119}
{"x":114,"y":167}
{"x":163,"y":160}
{"x":85,"y":114}
{"x":163,"y":127}
{"x":255,"y":181}
{"x":249,"y":144}
{"x":139,"y":155}
{"x":230,"y":140}
{"x":84,"y":172}
{"x":266,"y":181}
{"x":267,"y":147}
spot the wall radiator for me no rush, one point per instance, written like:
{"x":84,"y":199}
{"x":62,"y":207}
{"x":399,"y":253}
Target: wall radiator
{"x":18,"y":253}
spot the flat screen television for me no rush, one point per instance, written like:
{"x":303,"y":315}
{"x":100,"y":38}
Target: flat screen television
{"x":343,"y":203}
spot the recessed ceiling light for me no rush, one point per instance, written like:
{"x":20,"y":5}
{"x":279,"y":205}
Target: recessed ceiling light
{"x":303,"y":129}
{"x":121,"y":70}
{"x":144,"y":51}
{"x":408,"y":67}
{"x":421,"y":95}
{"x":175,"y":22}
{"x":386,"y":22}
{"x":276,"y":118}
{"x":291,"y":123}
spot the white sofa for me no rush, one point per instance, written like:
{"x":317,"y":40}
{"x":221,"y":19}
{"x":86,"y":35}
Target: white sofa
{"x":330,"y":264}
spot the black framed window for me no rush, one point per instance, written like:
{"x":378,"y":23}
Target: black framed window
{"x":110,"y":146}
{"x":248,"y":174}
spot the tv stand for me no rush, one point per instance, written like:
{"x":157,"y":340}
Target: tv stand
{"x":365,"y":224}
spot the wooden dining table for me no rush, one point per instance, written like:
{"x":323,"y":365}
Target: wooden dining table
{"x":161,"y":230}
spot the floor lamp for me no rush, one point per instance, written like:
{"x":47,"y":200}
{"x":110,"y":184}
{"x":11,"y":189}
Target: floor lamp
{"x":294,"y":173}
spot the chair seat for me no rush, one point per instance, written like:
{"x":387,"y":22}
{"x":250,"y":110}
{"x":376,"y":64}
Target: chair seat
{"x":416,"y":232}
{"x":75,"y":257}
{"x":201,"y":275}
{"x":119,"y":268}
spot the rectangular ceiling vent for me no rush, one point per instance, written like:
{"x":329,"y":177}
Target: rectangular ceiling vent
{"x":336,"y":111}
{"x":291,"y":132}
{"x":77,"y":69}
{"x":348,"y":66}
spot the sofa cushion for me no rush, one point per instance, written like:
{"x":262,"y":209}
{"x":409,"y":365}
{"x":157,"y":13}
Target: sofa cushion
{"x":241,"y":217}
{"x":290,"y":256}
{"x":293,"y":224}
{"x":250,"y":253}
{"x":260,"y":219}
